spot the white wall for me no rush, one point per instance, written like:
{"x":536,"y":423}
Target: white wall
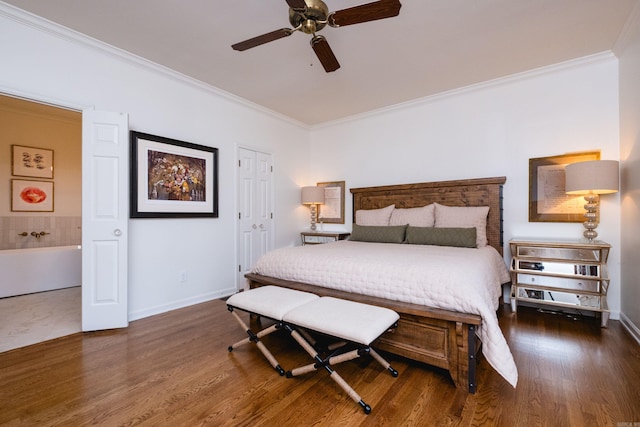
{"x":483,"y":131}
{"x":630,"y":156}
{"x":45,"y":62}
{"x":486,"y":130}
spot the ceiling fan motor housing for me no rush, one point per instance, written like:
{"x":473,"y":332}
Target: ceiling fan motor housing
{"x":312,"y":19}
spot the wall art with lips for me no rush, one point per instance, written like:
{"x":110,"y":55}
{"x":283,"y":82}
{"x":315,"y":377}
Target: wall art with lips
{"x":31,"y":196}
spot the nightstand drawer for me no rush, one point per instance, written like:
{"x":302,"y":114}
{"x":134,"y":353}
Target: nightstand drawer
{"x":562,"y":268}
{"x":570,"y":254}
{"x":311,"y":240}
{"x":565,"y":299}
{"x":559,"y":282}
{"x":319,"y":237}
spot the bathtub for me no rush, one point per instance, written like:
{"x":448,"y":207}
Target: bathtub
{"x":26,"y":271}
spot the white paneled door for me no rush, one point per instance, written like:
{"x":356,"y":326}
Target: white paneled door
{"x":105,"y":179}
{"x":255,"y":209}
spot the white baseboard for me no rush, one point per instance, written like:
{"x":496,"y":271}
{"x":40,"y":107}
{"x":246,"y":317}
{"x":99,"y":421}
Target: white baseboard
{"x":174,"y":305}
{"x":630,"y":326}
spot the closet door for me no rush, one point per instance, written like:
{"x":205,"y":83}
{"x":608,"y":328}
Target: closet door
{"x":255,"y":209}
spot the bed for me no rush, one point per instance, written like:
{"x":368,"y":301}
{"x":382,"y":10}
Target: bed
{"x":443,"y":337}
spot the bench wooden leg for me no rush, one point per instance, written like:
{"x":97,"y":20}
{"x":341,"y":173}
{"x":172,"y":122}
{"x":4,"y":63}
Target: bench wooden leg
{"x":326,"y":364}
{"x":386,"y":365}
{"x":255,"y":338}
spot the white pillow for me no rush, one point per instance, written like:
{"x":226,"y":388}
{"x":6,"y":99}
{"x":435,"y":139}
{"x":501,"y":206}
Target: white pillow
{"x":374,"y":216}
{"x":415,"y":217}
{"x":462,"y":216}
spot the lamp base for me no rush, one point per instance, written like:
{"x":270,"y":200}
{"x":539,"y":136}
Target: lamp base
{"x":592,"y":217}
{"x":314,"y":217}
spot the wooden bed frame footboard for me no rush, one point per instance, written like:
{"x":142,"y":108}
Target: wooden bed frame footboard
{"x":441,"y":338}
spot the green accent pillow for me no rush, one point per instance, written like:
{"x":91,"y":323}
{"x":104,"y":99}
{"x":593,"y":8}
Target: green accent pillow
{"x":441,"y":236}
{"x":378,"y":233}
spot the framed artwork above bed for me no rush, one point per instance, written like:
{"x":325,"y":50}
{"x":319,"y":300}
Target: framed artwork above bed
{"x":332,"y":211}
{"x":548,"y":201}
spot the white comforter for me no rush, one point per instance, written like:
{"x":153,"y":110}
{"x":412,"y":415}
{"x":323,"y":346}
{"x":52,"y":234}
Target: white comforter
{"x":459,"y":279}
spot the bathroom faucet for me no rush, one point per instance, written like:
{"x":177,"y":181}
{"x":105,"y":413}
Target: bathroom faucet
{"x":38,"y":235}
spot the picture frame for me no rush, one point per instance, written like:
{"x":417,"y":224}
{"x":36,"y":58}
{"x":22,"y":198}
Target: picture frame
{"x":332,"y":211}
{"x":31,"y":195}
{"x":171,"y":178}
{"x":548,"y":201}
{"x":32,"y":162}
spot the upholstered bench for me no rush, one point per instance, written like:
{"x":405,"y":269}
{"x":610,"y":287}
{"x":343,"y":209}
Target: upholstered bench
{"x":271,"y":302}
{"x":304,"y":315}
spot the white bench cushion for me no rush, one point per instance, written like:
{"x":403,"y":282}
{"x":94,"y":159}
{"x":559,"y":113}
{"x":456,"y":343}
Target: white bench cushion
{"x":349,"y":320}
{"x":270,"y":301}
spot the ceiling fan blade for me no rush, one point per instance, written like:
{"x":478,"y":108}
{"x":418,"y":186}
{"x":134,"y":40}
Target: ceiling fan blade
{"x":297,"y":4}
{"x":324,"y":53}
{"x":264,"y":38}
{"x":364,"y":13}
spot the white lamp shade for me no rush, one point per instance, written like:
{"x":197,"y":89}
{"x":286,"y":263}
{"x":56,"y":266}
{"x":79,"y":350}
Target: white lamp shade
{"x":594,"y":176}
{"x":312,"y":195}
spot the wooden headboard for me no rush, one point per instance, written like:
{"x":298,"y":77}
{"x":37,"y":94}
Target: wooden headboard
{"x":466,"y":192}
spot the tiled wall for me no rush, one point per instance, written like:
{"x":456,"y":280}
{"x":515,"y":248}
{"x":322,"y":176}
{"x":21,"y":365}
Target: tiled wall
{"x":64,"y":231}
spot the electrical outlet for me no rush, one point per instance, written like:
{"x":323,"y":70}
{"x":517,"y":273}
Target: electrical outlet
{"x":183,"y":276}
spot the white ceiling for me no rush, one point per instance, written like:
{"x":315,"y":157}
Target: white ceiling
{"x":431,"y":47}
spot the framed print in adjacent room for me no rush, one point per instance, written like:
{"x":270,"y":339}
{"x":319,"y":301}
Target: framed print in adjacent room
{"x":31,"y":162}
{"x":31,"y":196}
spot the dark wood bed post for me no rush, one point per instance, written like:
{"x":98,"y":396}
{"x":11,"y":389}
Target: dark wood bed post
{"x":442,"y":338}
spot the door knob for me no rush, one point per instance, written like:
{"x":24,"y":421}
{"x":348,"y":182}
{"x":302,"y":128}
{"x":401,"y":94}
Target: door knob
{"x":261,"y":226}
{"x":117,"y":232}
{"x":254,"y":226}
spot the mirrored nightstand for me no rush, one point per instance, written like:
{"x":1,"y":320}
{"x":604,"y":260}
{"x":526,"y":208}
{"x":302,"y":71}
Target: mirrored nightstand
{"x":571,"y":274}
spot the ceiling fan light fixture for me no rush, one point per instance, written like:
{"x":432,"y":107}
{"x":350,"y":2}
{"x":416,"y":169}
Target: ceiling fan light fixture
{"x":309,"y":26}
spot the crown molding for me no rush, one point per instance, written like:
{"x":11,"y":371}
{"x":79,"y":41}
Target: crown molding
{"x":549,"y":69}
{"x":628,"y":31}
{"x":56,"y":30}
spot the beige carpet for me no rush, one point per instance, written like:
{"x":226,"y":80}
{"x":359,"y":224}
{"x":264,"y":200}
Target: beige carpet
{"x":33,"y":318}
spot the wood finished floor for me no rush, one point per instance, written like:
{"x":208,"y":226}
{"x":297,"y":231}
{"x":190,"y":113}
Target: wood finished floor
{"x":174,"y":370}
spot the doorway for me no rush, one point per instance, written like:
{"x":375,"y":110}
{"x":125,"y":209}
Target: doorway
{"x":46,"y":308}
{"x":101,"y":193}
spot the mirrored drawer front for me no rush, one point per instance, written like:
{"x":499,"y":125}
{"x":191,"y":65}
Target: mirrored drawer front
{"x":559,"y":253}
{"x":559,"y":282}
{"x":591,"y":270}
{"x":584,"y":301}
{"x":319,"y":239}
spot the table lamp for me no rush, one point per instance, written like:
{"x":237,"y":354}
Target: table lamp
{"x":313,"y":196}
{"x":592,"y":178}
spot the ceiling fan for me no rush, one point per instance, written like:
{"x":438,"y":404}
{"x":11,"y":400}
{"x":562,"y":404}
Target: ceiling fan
{"x":310,"y":16}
